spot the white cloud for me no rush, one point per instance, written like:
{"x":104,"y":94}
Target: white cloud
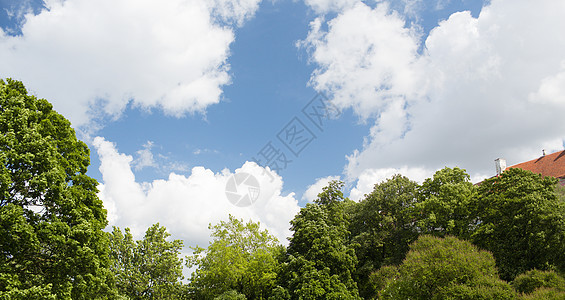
{"x":313,"y":190}
{"x":145,"y":157}
{"x":551,"y":91}
{"x":367,"y":54}
{"x":81,"y":54}
{"x":482,"y":88}
{"x":236,"y":11}
{"x":187,"y":204}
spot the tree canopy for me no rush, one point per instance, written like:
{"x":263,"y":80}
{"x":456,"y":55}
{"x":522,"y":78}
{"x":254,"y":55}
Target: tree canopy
{"x":382,"y":226}
{"x":241,"y":259}
{"x":443,"y":239}
{"x":537,"y":281}
{"x":51,"y":220}
{"x":444,"y":268}
{"x":521,"y":220}
{"x":320,"y":265}
{"x":149,"y":268}
{"x":445,"y":203}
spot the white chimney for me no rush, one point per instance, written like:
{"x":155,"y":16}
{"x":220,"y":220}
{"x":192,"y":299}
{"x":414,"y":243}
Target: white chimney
{"x":500,"y":165}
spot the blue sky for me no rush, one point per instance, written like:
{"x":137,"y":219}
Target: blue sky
{"x":269,"y":87}
{"x":174,"y":97}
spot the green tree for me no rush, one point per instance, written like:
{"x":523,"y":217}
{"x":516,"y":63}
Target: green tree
{"x":320,"y":264}
{"x":382,"y":226}
{"x":532,"y":280}
{"x":445,"y":203}
{"x":51,"y":220}
{"x":149,"y":268}
{"x":445,"y":268}
{"x":521,"y":221}
{"x":241,"y":258}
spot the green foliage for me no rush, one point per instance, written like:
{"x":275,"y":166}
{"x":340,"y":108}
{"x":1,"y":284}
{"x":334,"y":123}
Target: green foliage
{"x":231,"y":295}
{"x":52,"y":245}
{"x":149,"y":268}
{"x":445,"y":203}
{"x":521,"y":221}
{"x":51,"y":220}
{"x":241,"y":257}
{"x":481,"y":290}
{"x":545,"y":294}
{"x":279,"y":293}
{"x":446,"y":268}
{"x":382,"y":226}
{"x":35,"y":292}
{"x":320,"y":264}
{"x":532,"y":280}
{"x":381,"y":279}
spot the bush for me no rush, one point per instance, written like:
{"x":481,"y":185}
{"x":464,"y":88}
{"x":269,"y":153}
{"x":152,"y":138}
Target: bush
{"x":532,"y":280}
{"x":440,"y":268}
{"x":545,"y":294}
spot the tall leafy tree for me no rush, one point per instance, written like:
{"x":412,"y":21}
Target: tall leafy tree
{"x":149,"y":268}
{"x":521,"y":220}
{"x":383,"y":226}
{"x":320,"y":263}
{"x":445,"y":203}
{"x":241,"y":259}
{"x":51,"y":220}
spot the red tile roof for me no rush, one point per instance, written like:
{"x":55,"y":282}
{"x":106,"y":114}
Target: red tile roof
{"x":548,"y":165}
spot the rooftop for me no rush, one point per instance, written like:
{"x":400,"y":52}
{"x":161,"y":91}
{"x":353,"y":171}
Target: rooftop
{"x":547,"y":165}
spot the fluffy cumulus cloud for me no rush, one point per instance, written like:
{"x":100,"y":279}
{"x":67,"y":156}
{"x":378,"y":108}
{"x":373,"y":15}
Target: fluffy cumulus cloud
{"x":89,"y":55}
{"x":313,"y":190}
{"x":187,"y":204}
{"x":366,"y":54}
{"x":481,"y":88}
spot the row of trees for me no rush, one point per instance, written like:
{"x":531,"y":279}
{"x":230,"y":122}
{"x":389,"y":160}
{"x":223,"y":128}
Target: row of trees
{"x":445,"y":238}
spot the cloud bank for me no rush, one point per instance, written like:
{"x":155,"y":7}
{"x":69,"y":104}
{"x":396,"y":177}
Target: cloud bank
{"x":481,"y":88}
{"x":186,"y":205}
{"x":91,"y":56}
